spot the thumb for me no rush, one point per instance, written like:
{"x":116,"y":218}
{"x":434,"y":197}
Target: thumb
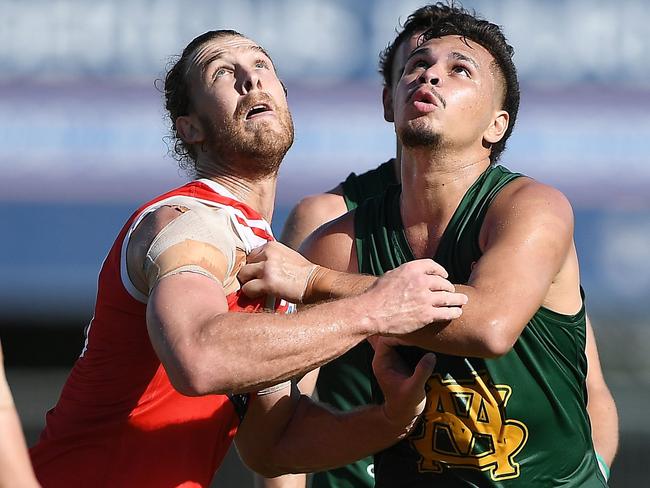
{"x":423,"y":370}
{"x":253,"y":289}
{"x":256,"y":254}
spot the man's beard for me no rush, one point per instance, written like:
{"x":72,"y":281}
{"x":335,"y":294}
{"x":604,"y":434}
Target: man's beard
{"x":255,"y":153}
{"x":416,"y":134}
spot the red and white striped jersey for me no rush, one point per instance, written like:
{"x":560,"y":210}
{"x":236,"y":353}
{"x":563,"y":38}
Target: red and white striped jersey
{"x":119,"y":421}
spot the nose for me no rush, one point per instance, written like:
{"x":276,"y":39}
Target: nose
{"x":430,"y":76}
{"x":250,"y":80}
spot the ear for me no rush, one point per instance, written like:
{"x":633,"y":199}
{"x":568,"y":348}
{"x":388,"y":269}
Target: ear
{"x":387,"y":100}
{"x":497,"y":128}
{"x":190,"y":129}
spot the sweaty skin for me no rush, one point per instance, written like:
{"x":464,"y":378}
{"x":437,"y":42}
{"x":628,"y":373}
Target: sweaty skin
{"x":332,"y":246}
{"x":201,"y":344}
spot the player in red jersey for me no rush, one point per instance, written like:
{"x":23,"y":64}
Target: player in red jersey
{"x":161,"y":386}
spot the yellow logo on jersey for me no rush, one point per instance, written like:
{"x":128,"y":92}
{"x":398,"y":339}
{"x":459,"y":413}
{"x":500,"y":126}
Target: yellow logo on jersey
{"x":464,"y":425}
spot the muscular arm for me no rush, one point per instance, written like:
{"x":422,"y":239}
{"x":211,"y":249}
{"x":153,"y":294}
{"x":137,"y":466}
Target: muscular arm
{"x":527,"y":242}
{"x":203,"y":346}
{"x":529,"y":227}
{"x":601,"y":406}
{"x":292,"y":433}
{"x":306,"y":386}
{"x":207,"y":349}
{"x":309,"y":214}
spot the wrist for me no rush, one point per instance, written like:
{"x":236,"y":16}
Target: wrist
{"x":319,"y":285}
{"x":401,"y":426}
{"x":602,"y":466}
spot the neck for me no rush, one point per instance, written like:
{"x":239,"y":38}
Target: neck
{"x":434,"y":183}
{"x":257,"y":192}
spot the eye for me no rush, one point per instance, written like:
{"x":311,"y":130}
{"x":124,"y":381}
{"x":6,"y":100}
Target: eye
{"x":261,"y":64}
{"x":461,"y":70}
{"x":414,"y":65}
{"x":219,"y":72}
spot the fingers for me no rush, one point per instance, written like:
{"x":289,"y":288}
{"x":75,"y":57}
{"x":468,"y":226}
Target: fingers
{"x":387,"y":359}
{"x":446,"y":299}
{"x":434,"y":268}
{"x":250,"y":271}
{"x":254,"y":288}
{"x":438,"y":283}
{"x":257,"y":254}
{"x":445,"y":314}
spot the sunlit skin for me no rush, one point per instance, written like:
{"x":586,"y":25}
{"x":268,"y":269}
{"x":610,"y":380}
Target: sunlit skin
{"x":229,"y":77}
{"x":239,"y":120}
{"x":449,"y":89}
{"x":239,"y":127}
{"x":316,"y":210}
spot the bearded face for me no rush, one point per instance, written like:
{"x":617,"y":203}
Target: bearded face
{"x":239,"y":121}
{"x":255,"y":139}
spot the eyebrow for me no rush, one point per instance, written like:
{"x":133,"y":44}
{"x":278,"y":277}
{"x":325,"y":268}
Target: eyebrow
{"x":219,"y":54}
{"x":453,"y":55}
{"x":462,"y":57}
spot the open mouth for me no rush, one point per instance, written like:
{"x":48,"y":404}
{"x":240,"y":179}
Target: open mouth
{"x":424,"y":96}
{"x":257,"y":109}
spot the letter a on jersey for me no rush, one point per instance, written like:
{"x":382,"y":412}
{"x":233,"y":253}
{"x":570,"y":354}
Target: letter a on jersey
{"x":465,"y":426}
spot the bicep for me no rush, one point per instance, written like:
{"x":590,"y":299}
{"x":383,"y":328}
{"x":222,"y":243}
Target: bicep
{"x":178,"y":307}
{"x":527,"y":238}
{"x":332,"y":245}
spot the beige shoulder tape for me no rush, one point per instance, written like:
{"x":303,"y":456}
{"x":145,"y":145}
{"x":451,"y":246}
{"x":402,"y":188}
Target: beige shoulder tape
{"x":201,"y":240}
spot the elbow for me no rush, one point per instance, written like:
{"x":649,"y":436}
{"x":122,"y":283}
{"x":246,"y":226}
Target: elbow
{"x":189,"y":384}
{"x":497,"y":340}
{"x":191,"y":378}
{"x":263,"y":462}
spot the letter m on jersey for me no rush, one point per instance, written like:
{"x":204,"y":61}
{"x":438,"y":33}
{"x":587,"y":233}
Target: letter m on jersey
{"x":465,"y":427}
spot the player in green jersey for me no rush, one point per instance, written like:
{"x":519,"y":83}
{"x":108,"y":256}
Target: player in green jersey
{"x":496,"y":473}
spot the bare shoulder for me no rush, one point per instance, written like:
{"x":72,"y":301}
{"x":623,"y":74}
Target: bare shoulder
{"x":332,"y":244}
{"x":310,"y":213}
{"x":142,"y":237}
{"x":528,"y":207}
{"x":532,"y":199}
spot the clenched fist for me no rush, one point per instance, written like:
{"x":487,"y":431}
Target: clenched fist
{"x":275,"y":269}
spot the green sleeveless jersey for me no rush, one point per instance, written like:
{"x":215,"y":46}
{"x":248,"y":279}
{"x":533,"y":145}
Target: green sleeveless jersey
{"x":519,"y":420}
{"x":345,"y":382}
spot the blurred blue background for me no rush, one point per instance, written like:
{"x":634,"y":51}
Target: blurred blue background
{"x":82,"y":143}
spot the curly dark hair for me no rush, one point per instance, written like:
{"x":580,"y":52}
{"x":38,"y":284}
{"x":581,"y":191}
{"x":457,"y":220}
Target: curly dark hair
{"x":440,"y":19}
{"x":178,"y":101}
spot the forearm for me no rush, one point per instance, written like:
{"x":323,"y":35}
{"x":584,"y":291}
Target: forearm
{"x":483,"y":330}
{"x":604,"y":423}
{"x":600,"y":405}
{"x":15,"y":467}
{"x":327,"y":284}
{"x":318,"y":438}
{"x":240,"y":352}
